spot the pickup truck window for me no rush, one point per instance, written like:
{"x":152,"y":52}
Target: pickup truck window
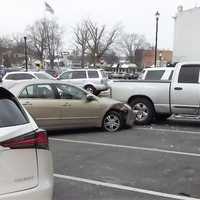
{"x":154,"y":75}
{"x":170,"y":77}
{"x":189,"y":74}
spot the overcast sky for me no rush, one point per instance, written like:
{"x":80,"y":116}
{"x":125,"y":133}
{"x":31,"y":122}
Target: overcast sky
{"x":135,"y":15}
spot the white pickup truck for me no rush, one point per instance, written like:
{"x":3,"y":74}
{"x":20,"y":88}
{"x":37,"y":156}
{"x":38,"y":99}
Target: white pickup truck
{"x":160,"y":99}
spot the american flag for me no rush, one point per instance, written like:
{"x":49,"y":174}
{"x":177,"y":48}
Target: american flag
{"x":49,"y":8}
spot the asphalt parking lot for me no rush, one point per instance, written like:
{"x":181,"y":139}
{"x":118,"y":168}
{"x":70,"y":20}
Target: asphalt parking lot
{"x":144,"y":163}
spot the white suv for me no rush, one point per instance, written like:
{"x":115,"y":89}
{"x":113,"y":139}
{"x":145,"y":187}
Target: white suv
{"x":18,"y":76}
{"x":93,"y":80}
{"x":26,"y":163}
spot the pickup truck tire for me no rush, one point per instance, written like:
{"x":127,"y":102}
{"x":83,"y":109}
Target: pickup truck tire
{"x":97,"y":92}
{"x":90,"y":89}
{"x":162,"y":117}
{"x":144,"y":109}
{"x":112,"y":121}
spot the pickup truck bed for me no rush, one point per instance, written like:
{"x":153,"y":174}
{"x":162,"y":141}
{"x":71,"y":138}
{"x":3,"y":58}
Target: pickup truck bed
{"x":156,"y":92}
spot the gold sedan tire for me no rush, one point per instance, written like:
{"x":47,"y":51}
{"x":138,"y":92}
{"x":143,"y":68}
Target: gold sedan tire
{"x":112,"y":121}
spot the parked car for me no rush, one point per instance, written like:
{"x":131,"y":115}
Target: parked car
{"x":26,"y":162}
{"x":16,"y":76}
{"x":57,"y":105}
{"x":52,"y":72}
{"x":119,"y":75}
{"x":92,"y":80}
{"x":160,"y":99}
{"x":123,"y":75}
{"x":12,"y":77}
{"x":158,"y":73}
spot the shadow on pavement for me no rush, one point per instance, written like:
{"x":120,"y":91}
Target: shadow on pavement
{"x":75,"y":131}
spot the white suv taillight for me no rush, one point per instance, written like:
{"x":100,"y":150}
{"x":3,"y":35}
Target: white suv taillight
{"x":37,"y":139}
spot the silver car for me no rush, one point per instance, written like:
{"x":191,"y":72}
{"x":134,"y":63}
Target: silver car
{"x":92,"y":80}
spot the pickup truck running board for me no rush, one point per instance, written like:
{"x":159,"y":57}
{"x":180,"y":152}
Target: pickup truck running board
{"x":197,"y":117}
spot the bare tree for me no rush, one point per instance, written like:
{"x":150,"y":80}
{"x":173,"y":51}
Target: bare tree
{"x":53,"y":40}
{"x":6,"y":44}
{"x":45,"y":37}
{"x":81,"y":38}
{"x":130,"y":43}
{"x":99,"y":41}
{"x":37,"y":38}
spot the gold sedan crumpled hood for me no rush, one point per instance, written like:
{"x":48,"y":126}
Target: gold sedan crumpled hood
{"x":109,"y":101}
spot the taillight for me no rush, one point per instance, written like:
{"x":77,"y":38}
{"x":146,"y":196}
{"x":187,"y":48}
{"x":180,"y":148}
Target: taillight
{"x":37,"y":139}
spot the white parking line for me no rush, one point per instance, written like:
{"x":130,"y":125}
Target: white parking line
{"x":167,"y":131}
{"x":126,"y":147}
{"x":123,"y":187}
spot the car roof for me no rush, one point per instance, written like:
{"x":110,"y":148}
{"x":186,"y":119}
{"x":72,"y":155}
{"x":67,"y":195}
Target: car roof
{"x":21,"y":72}
{"x":85,"y":69}
{"x":159,"y":68}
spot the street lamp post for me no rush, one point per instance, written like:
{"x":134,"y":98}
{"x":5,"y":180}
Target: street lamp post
{"x":160,"y":59}
{"x":156,"y":42}
{"x":25,"y":53}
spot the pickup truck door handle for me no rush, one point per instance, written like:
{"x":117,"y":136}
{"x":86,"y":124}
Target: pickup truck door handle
{"x":178,"y":88}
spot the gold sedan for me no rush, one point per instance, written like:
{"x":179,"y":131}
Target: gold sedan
{"x":57,"y":105}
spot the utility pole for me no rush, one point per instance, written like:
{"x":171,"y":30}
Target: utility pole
{"x":25,"y":53}
{"x":156,"y":42}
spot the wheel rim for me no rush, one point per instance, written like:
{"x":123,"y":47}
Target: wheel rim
{"x":112,"y":123}
{"x":90,"y":89}
{"x":142,"y":111}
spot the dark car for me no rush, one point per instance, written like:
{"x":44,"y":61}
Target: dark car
{"x":52,"y":72}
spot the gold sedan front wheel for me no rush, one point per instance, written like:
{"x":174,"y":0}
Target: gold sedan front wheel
{"x":112,"y":121}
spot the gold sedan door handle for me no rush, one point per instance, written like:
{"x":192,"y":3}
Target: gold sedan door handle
{"x":27,"y":103}
{"x":67,"y":105}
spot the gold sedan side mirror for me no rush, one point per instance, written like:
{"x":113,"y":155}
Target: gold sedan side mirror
{"x":90,"y":97}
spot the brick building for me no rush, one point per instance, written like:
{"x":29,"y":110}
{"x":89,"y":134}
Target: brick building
{"x":145,"y":58}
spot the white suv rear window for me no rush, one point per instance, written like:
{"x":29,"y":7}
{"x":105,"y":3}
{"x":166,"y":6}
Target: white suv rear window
{"x":11,"y":115}
{"x":93,"y":74}
{"x":79,"y":75}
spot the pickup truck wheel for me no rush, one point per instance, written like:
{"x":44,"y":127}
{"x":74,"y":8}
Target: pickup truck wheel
{"x":144,"y":111}
{"x":112,"y":121}
{"x":162,"y":117}
{"x":90,"y":89}
{"x":97,"y":92}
